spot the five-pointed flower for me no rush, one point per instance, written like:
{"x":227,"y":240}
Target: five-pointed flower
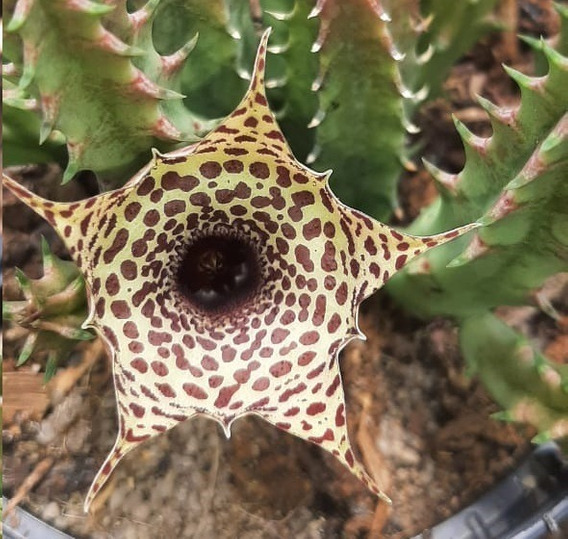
{"x":225,"y":278}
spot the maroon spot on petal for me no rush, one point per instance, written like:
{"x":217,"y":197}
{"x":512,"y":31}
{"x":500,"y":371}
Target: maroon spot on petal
{"x":200,"y":199}
{"x":334,"y":323}
{"x":156,"y":195}
{"x":396,"y":235}
{"x":340,"y":416}
{"x":120,"y":309}
{"x":283,"y":176}
{"x":130,"y":330}
{"x":300,"y":178}
{"x":370,"y":246}
{"x":312,"y":229}
{"x":209,"y":363}
{"x":310,"y":337}
{"x":375,"y":270}
{"x":251,"y":122}
{"x":225,"y":395}
{"x":241,"y":376}
{"x":235,"y":151}
{"x":210,"y":169}
{"x":260,"y":99}
{"x":329,"y":229}
{"x":400,"y":261}
{"x":112,"y":285}
{"x":100,"y":307}
{"x":132,"y":210}
{"x":206,"y":343}
{"x":329,"y":282}
{"x":137,"y":410}
{"x":129,"y":270}
{"x":327,"y":437}
{"x":261,"y":384}
{"x":194,"y":391}
{"x":281,"y":368}
{"x":173,"y":207}
{"x":355,"y":267}
{"x":166,"y":390}
{"x":319,"y":313}
{"x":136,"y":347}
{"x":140,"y":365}
{"x":291,"y":392}
{"x":228,"y":353}
{"x":341,"y":293}
{"x":117,"y":245}
{"x":315,"y":408}
{"x":159,"y":368}
{"x":215,"y":381}
{"x":233,"y":166}
{"x":306,"y":358}
{"x":278,"y":335}
{"x":302,"y":254}
{"x":145,"y":186}
{"x":403,"y":246}
{"x":292,"y":412}
{"x":131,"y":437}
{"x":333,"y":387}
{"x":259,"y":170}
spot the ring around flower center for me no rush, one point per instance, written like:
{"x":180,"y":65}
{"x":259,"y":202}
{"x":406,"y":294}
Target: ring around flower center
{"x":218,"y":273}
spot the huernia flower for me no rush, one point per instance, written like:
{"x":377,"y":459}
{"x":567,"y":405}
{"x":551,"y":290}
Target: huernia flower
{"x":225,"y":278}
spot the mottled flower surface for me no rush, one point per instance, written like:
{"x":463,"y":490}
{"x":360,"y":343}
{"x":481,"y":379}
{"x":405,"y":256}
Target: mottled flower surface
{"x":225,"y":278}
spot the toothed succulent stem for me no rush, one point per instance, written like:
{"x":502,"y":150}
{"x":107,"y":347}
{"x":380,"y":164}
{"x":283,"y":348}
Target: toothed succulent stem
{"x":53,"y":311}
{"x":110,"y":112}
{"x":529,"y":387}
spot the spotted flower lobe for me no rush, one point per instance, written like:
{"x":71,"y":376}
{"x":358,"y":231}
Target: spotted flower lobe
{"x":225,"y":278}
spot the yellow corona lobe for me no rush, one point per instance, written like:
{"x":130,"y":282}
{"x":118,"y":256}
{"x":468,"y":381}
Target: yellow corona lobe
{"x":225,"y":278}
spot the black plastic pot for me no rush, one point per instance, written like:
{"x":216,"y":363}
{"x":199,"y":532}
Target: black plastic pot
{"x":531,"y":503}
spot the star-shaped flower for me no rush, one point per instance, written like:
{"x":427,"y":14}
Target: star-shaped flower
{"x":225,"y":278}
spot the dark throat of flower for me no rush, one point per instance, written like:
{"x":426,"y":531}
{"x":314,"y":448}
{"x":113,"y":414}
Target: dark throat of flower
{"x":219,"y":273}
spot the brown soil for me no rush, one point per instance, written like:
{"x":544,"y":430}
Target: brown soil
{"x":421,"y":425}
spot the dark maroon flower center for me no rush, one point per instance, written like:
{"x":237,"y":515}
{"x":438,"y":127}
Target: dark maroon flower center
{"x":218,"y":272}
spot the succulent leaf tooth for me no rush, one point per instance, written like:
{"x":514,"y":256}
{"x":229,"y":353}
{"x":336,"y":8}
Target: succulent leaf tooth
{"x":174,"y":62}
{"x":23,"y":282}
{"x":166,"y":130}
{"x":282,"y":16}
{"x":505,"y":205}
{"x":143,"y":15}
{"x":10,"y":70}
{"x":316,"y":10}
{"x":409,"y":127}
{"x":476,"y":248}
{"x":446,"y":182}
{"x":89,"y":7}
{"x":479,"y":144}
{"x":313,"y":155}
{"x":29,"y":70}
{"x":525,"y":82}
{"x":27,"y":349}
{"x":503,"y":415}
{"x":143,"y":85}
{"x":21,"y":12}
{"x":427,"y":55}
{"x":317,"y":119}
{"x":502,"y":115}
{"x":109,"y":42}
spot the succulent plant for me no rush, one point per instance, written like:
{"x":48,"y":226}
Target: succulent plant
{"x":514,"y":184}
{"x":225,"y":278}
{"x":231,"y":262}
{"x":53,"y":311}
